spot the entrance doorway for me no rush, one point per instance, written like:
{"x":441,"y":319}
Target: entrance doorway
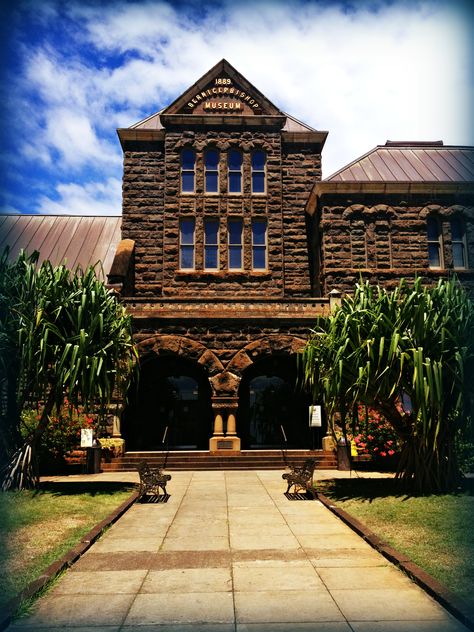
{"x":173,"y":395}
{"x":269,"y":399}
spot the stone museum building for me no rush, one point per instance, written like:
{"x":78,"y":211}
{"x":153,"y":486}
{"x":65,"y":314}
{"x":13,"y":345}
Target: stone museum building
{"x":230,"y":245}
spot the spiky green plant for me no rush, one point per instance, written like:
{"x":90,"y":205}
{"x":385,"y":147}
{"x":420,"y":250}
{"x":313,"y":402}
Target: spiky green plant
{"x":417,"y":341}
{"x":71,"y":338}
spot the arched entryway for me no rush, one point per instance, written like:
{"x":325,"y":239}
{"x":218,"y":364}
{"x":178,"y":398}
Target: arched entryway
{"x":172,"y":392}
{"x":269,"y":399}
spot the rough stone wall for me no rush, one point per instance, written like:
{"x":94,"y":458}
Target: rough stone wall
{"x":225,"y":339}
{"x":383,"y":239}
{"x":243,"y":206}
{"x":143,"y":214}
{"x":301,"y":167}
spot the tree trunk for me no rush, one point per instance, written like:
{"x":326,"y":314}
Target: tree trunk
{"x":424,"y":470}
{"x":21,"y":471}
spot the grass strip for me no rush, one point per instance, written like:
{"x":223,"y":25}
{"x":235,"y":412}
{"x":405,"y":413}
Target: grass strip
{"x":435,"y":532}
{"x":39,"y":527}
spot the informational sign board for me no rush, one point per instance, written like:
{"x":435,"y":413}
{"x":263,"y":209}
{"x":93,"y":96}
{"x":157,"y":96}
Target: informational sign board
{"x":315,"y":419}
{"x":87,"y":437}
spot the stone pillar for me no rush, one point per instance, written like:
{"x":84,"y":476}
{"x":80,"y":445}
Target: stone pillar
{"x":224,"y":407}
{"x":231,"y":428}
{"x":218,"y":425}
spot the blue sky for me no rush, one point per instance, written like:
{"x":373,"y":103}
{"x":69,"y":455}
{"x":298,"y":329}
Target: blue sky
{"x":75,"y":71}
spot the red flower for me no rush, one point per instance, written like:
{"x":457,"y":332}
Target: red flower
{"x":383,"y":453}
{"x":391,"y":452}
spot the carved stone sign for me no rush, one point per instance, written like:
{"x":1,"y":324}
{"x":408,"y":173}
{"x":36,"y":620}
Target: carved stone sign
{"x":222,"y":96}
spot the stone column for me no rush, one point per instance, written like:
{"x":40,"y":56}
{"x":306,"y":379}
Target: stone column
{"x":224,"y":407}
{"x":218,"y":425}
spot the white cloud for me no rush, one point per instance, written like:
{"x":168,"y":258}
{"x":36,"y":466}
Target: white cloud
{"x":91,"y":198}
{"x":392,"y":71}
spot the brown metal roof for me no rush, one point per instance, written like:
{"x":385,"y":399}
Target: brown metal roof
{"x":73,"y":240}
{"x":410,"y":162}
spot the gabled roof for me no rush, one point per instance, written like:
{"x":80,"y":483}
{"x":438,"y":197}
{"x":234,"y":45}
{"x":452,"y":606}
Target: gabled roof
{"x":222,"y":69}
{"x":409,"y":161}
{"x":73,"y":240}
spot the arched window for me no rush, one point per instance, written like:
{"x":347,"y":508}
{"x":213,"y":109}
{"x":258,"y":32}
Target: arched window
{"x":259,"y":244}
{"x":435,"y":242}
{"x":188,"y":165}
{"x":234,"y":163}
{"x":186,"y":243}
{"x":211,"y":171}
{"x":259,"y":161}
{"x":458,"y":243}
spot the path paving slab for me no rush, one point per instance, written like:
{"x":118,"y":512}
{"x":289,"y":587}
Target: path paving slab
{"x":229,"y":552}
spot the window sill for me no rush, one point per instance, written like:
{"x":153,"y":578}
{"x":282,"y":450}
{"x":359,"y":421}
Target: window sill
{"x":223,"y":274}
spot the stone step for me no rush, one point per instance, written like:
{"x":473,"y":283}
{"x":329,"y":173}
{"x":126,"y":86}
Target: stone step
{"x":250,"y":459}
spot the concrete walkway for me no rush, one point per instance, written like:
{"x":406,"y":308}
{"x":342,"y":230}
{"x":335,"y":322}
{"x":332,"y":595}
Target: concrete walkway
{"x":229,"y":552}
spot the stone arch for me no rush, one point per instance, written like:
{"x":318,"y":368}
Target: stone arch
{"x":165,"y":344}
{"x":266,"y":345}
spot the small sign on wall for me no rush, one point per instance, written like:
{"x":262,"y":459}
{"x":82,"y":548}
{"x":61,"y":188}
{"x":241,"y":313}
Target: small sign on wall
{"x":87,"y":437}
{"x":315,"y":419}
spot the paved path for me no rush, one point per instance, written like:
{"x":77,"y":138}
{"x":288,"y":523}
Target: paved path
{"x":230,"y":553}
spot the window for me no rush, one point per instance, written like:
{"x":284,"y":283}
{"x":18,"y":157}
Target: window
{"x":259,"y":160}
{"x":188,"y":162}
{"x":211,"y":244}
{"x":259,"y":244}
{"x":211,"y":171}
{"x":235,"y":244}
{"x":234,"y":163}
{"x":458,"y":242}
{"x":186,"y":244}
{"x":435,"y":243}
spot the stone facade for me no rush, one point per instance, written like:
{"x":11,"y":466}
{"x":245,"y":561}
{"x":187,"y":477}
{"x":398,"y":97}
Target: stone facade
{"x":384,"y":238}
{"x":227,"y":332}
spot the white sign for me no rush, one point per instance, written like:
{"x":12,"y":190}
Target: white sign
{"x":87,"y":437}
{"x":315,"y":420}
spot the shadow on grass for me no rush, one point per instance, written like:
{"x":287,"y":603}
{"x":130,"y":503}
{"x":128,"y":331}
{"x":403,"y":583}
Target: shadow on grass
{"x":367,"y":489}
{"x":83,"y":487}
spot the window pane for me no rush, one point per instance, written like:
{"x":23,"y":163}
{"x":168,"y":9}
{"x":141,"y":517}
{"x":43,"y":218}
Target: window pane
{"x":211,"y":228}
{"x":433,"y":255}
{"x":458,"y":256}
{"x":258,"y":160}
{"x":210,"y":258}
{"x":456,"y":229}
{"x":235,"y":232}
{"x":187,"y":231}
{"x":259,"y":262}
{"x":433,"y":229}
{"x":259,"y":230}
{"x":212,"y":159}
{"x":211,"y":182}
{"x":235,"y":182}
{"x":258,"y":182}
{"x":234,"y":160}
{"x":187,"y":181}
{"x":235,"y":257}
{"x":188,"y":158}
{"x":187,"y":257}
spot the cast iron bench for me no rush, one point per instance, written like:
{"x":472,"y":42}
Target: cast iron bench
{"x":301,"y":477}
{"x":151,"y":479}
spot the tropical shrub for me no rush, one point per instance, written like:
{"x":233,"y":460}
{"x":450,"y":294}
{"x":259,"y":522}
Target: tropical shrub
{"x":415,"y":343}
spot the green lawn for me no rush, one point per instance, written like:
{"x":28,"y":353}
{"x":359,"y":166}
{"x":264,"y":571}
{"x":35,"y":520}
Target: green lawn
{"x":37,"y":527}
{"x":436,"y":531}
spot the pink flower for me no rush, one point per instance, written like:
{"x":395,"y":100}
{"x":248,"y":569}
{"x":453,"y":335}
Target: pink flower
{"x":382,"y":453}
{"x":389,"y":442}
{"x":370,"y":437}
{"x":391,"y":452}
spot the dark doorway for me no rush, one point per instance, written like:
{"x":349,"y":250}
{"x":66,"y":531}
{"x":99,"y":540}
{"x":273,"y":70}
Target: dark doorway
{"x":172,"y":392}
{"x":268,"y":399}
